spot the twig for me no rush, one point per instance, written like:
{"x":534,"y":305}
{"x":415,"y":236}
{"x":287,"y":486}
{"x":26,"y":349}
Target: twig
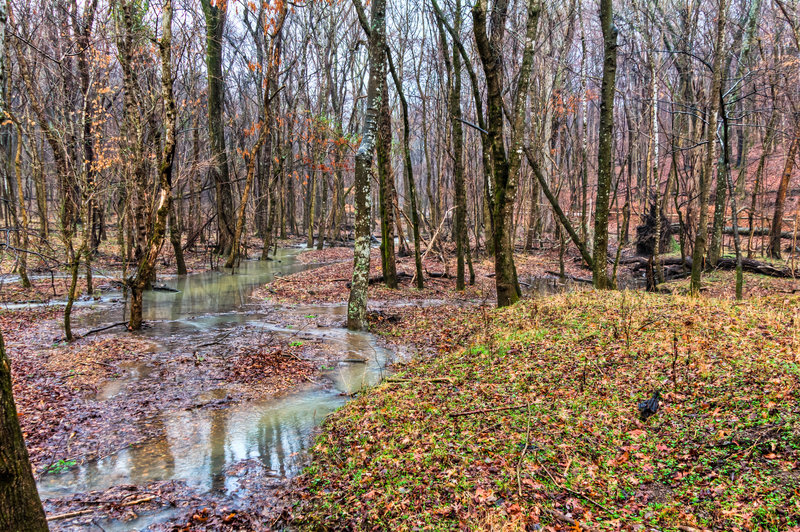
{"x":576,"y":493}
{"x":106,"y":364}
{"x":448,"y":380}
{"x":279,"y":352}
{"x":571,"y":277}
{"x":100,"y":329}
{"x":88,"y":511}
{"x":486,"y":410}
{"x":562,"y":517}
{"x":524,"y":450}
{"x":69,"y":514}
{"x":433,"y":240}
{"x":218,"y":339}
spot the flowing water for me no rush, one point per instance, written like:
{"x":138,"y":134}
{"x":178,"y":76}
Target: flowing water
{"x":197,"y":445}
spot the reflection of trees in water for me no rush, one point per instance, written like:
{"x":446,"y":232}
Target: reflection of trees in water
{"x":129,"y":465}
{"x":218,"y":440}
{"x":280,"y":436}
{"x":189,"y":435}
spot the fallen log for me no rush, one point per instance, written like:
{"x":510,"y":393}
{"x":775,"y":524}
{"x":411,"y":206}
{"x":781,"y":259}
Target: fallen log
{"x":743,"y":231}
{"x":642,"y":262}
{"x":754,"y":266}
{"x":379,"y":279}
{"x":725,"y":263}
{"x":571,"y":277}
{"x":164,"y":288}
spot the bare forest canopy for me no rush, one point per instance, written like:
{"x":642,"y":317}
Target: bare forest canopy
{"x":495,"y":126}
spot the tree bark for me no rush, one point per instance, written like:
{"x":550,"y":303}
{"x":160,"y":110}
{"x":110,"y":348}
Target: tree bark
{"x":175,"y":231}
{"x":708,"y":163}
{"x":386,"y":191}
{"x":605,"y":150}
{"x":459,"y":187}
{"x":408,"y":169}
{"x":215,"y":15}
{"x":147,"y":262}
{"x":774,"y":248}
{"x":726,"y":160}
{"x":357,"y":303}
{"x":506,"y":165}
{"x":20,"y":506}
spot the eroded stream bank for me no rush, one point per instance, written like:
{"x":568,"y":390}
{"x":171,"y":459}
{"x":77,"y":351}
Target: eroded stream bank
{"x":216,"y":414}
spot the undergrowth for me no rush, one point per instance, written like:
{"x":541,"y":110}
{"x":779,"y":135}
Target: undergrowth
{"x":721,"y":453}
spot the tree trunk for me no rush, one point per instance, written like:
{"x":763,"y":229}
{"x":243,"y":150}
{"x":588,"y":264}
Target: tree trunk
{"x":386,"y":191}
{"x":458,"y":149}
{"x":726,"y":159}
{"x":215,"y":15}
{"x":605,"y":150}
{"x":774,"y":248}
{"x":20,"y":506}
{"x":323,"y":206}
{"x":708,"y":163}
{"x":22,"y":232}
{"x":175,"y":238}
{"x":357,"y":303}
{"x":252,"y":157}
{"x":147,"y":262}
{"x":41,"y":193}
{"x":506,"y":165}
{"x":720,"y":203}
{"x":311,"y":205}
{"x":408,"y":170}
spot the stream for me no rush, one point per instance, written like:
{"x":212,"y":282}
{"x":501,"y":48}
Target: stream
{"x":197,"y":445}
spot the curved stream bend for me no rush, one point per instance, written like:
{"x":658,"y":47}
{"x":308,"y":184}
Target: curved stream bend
{"x":197,"y":445}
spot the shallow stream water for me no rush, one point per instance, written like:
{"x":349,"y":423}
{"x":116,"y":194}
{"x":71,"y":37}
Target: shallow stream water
{"x":197,"y":445}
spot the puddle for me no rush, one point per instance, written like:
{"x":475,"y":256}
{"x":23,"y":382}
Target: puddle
{"x":131,"y":372}
{"x":197,"y":445}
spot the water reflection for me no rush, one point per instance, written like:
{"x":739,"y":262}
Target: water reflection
{"x":197,"y":445}
{"x":208,"y":294}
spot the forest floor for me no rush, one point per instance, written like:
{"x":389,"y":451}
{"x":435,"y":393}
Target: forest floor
{"x":535,"y":423}
{"x":329,"y":282}
{"x":427,"y":451}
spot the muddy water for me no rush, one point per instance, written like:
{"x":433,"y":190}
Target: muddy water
{"x":197,"y":445}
